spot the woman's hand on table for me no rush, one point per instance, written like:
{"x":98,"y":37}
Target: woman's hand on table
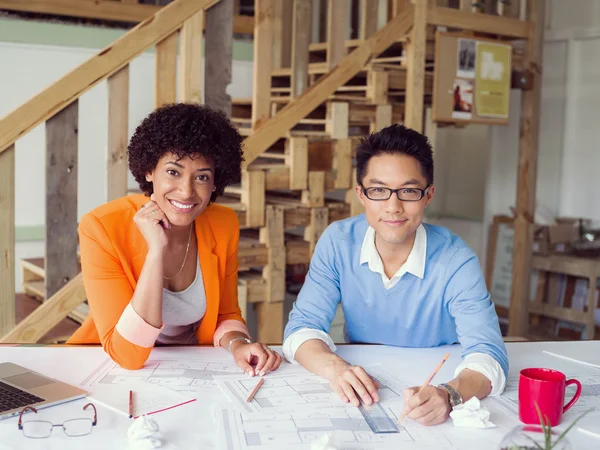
{"x":260,"y":356}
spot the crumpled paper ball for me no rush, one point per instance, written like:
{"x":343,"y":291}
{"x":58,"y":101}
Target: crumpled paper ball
{"x":471,"y":415}
{"x":144,"y":434}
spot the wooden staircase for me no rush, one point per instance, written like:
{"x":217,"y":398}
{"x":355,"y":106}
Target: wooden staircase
{"x":301,"y":127}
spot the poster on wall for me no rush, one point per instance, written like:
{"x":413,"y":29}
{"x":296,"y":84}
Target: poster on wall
{"x":465,"y":54}
{"x":492,"y":81}
{"x":463,"y":99}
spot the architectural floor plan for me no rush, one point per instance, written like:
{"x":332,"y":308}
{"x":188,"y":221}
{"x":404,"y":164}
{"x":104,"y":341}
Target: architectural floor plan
{"x":297,"y":430}
{"x":192,"y":374}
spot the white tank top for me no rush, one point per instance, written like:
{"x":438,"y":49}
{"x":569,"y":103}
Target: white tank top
{"x":182,"y":313}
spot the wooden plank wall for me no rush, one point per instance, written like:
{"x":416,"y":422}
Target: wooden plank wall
{"x":61,"y":198}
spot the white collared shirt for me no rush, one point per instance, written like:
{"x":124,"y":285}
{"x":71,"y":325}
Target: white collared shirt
{"x":414,"y":264}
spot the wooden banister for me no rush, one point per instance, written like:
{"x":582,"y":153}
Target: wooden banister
{"x":348,"y":67}
{"x":108,"y":61}
{"x":48,"y":314}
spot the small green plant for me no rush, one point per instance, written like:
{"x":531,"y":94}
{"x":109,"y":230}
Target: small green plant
{"x":547,"y":443}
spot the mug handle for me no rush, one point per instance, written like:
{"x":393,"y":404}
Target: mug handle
{"x":575,"y":397}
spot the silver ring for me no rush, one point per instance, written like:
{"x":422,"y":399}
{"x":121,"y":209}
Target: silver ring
{"x":153,"y":211}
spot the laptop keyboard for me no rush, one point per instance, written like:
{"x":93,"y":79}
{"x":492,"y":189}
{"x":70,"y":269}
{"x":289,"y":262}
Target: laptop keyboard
{"x":12,"y":397}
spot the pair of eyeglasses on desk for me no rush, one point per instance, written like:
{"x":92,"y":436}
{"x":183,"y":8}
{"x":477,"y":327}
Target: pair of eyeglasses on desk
{"x":40,"y":429}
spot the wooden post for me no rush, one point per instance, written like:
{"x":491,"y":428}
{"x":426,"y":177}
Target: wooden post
{"x":397,"y":6}
{"x":282,"y":34}
{"x":526,"y":181}
{"x":337,"y":120}
{"x":342,"y":154}
{"x":337,"y":24}
{"x":270,"y":311}
{"x":369,"y":10}
{"x":377,"y":86}
{"x":219,"y":47}
{"x":355,"y":207}
{"x":315,"y":195}
{"x":383,"y":117}
{"x":118,"y":134}
{"x":297,"y":161}
{"x":300,"y":41}
{"x":319,"y":219}
{"x":431,"y":128}
{"x":263,"y":53}
{"x":190,"y":77}
{"x":253,"y":197}
{"x":415,"y":73}
{"x":7,"y":240}
{"x":61,"y":263}
{"x":166,"y":71}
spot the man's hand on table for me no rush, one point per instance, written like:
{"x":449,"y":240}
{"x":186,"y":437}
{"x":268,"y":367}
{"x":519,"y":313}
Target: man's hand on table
{"x":352,"y":383}
{"x":428,"y":405}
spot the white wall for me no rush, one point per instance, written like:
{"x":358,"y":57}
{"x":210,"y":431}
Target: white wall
{"x":28,"y":69}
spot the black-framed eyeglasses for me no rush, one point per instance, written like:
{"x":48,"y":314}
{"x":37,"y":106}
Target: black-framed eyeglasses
{"x":379,"y":194}
{"x":40,"y":429}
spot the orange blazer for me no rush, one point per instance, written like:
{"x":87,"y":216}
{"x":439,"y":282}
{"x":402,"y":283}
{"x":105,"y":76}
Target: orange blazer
{"x":113,"y":252}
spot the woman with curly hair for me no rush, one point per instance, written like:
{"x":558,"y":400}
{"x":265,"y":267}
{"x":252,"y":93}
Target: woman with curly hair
{"x":163,"y":269}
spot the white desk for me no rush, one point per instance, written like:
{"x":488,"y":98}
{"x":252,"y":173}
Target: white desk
{"x":193,"y":426}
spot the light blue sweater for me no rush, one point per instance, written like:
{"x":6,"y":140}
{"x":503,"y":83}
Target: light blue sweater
{"x":449,"y":305}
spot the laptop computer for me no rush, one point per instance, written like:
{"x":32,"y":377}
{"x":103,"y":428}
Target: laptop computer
{"x":21,"y":387}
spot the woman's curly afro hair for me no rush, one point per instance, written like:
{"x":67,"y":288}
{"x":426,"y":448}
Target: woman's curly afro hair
{"x":186,"y":129}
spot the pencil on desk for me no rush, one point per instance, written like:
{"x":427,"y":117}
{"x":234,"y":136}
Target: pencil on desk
{"x":433,"y":374}
{"x":255,"y":390}
{"x":130,"y":404}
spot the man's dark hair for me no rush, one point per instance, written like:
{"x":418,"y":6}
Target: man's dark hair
{"x":395,"y":140}
{"x":186,"y":129}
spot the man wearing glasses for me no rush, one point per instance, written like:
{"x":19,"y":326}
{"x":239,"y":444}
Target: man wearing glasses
{"x":401,"y":282}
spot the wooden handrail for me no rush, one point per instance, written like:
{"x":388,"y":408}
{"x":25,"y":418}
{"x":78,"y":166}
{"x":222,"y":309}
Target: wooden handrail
{"x":108,"y":61}
{"x":276,"y":127}
{"x":48,"y":314}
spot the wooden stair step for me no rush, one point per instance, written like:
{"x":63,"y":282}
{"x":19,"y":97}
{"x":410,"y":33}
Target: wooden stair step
{"x":37,"y":290}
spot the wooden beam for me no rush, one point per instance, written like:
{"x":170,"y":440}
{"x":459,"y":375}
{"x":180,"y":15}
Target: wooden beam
{"x":263,"y":54}
{"x":397,"y":7}
{"x":282,"y":34}
{"x":314,"y":196}
{"x":415,"y":72}
{"x":369,"y":10}
{"x":118,"y":134}
{"x":527,"y":175}
{"x":383,"y":117}
{"x":297,"y":161}
{"x":48,"y":314}
{"x":269,"y":317}
{"x":190,"y":78}
{"x":7,"y":240}
{"x":301,"y":32}
{"x":296,"y":110}
{"x":90,"y":9}
{"x":165,"y":84}
{"x":337,"y":30}
{"x":253,"y":197}
{"x":108,"y":61}
{"x":106,"y":10}
{"x":482,"y":23}
{"x":377,"y":86}
{"x":274,"y":272}
{"x":342,"y":156}
{"x":337,"y":120}
{"x":61,"y":199}
{"x":319,"y":219}
{"x":219,"y":48}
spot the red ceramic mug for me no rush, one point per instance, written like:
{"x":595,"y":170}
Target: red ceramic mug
{"x":547,"y":388}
